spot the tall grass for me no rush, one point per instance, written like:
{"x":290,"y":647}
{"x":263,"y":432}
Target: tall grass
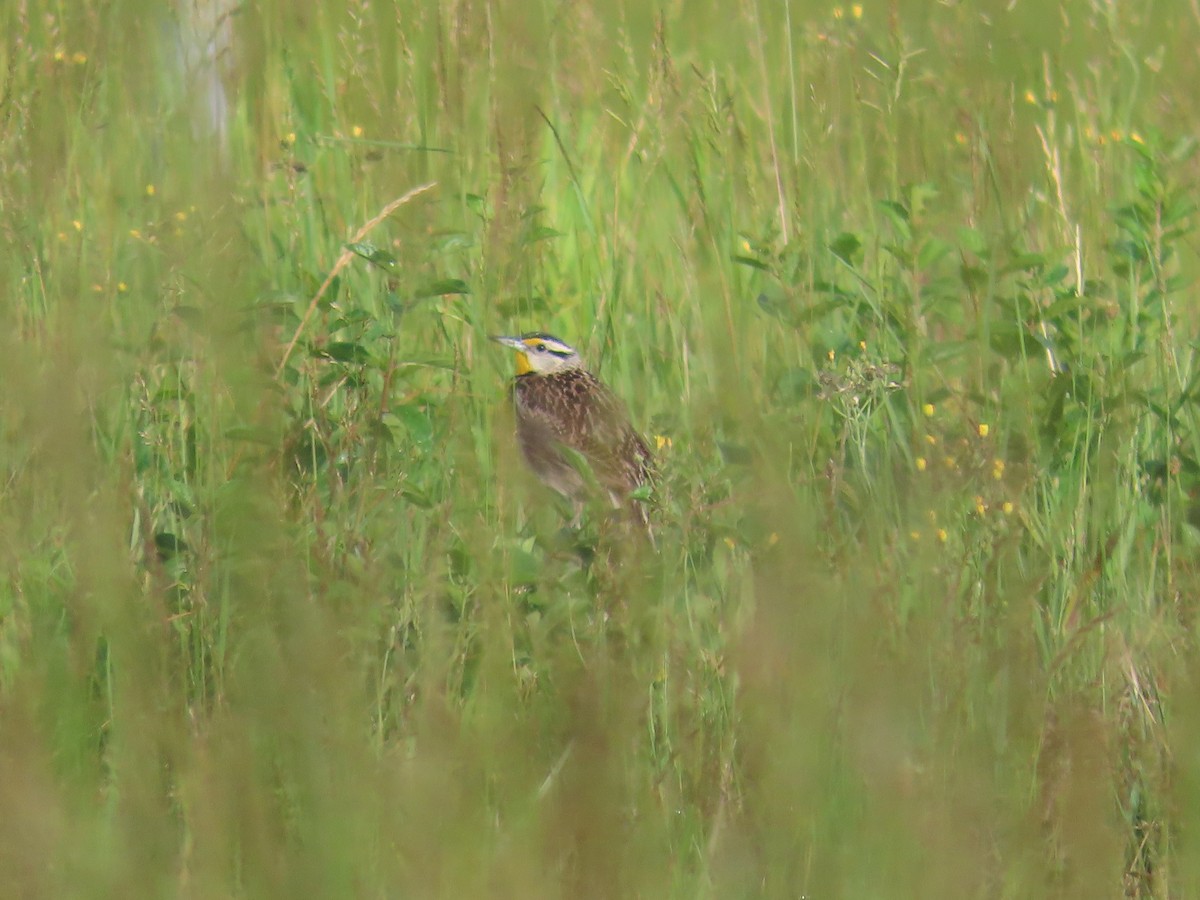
{"x":902,"y":297}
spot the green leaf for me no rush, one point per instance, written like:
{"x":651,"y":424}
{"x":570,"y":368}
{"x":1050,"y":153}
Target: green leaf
{"x":778,"y":309}
{"x":642,"y":492}
{"x":973,"y":277}
{"x":478,"y":205}
{"x":374,"y":255}
{"x":169,"y":544}
{"x":920,"y":195}
{"x":973,"y":241}
{"x":1148,"y":182}
{"x":1065,"y":305}
{"x":1177,"y":208}
{"x":828,"y":287}
{"x":183,"y":497}
{"x":1179,"y":282}
{"x":751,"y":262}
{"x":143,"y":455}
{"x":441,"y":287}
{"x":1188,"y":464}
{"x":414,"y":421}
{"x":1127,"y":251}
{"x":1055,"y":274}
{"x":933,"y":250}
{"x":897,"y":214}
{"x":524,"y":567}
{"x":735,"y":454}
{"x":846,"y":247}
{"x":416,"y":497}
{"x":331,"y":293}
{"x":344,"y":351}
{"x":1190,"y":391}
{"x":540,"y":233}
{"x":1008,"y":339}
{"x":1025,"y":262}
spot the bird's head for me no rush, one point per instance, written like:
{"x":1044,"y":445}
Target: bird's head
{"x":540,"y":353}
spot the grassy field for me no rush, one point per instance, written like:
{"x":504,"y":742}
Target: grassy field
{"x":902,"y":294}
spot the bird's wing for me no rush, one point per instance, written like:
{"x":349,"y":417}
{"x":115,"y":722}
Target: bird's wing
{"x":614,"y":447}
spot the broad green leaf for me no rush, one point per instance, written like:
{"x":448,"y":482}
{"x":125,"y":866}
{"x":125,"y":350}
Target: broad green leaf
{"x":642,"y":492}
{"x":540,"y":233}
{"x":415,"y":423}
{"x":524,"y":567}
{"x":847,"y":247}
{"x":478,"y":205}
{"x":442,"y":287}
{"x":374,"y":255}
{"x":933,"y":250}
{"x":344,"y":351}
{"x":169,"y":544}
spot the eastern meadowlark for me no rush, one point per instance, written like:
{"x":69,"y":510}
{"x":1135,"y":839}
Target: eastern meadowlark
{"x":560,"y":404}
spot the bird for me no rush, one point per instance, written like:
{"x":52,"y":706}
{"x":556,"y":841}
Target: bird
{"x":563,"y":409}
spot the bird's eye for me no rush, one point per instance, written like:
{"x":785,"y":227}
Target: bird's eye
{"x":541,"y":348}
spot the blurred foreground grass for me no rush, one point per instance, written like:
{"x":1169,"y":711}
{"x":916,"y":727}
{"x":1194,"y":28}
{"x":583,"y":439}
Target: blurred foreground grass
{"x":904,"y":298}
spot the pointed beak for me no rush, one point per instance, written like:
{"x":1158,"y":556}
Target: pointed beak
{"x":513,"y":343}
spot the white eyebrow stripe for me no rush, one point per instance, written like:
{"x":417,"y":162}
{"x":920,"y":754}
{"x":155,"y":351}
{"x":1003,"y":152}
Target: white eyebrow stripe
{"x":555,"y":347}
